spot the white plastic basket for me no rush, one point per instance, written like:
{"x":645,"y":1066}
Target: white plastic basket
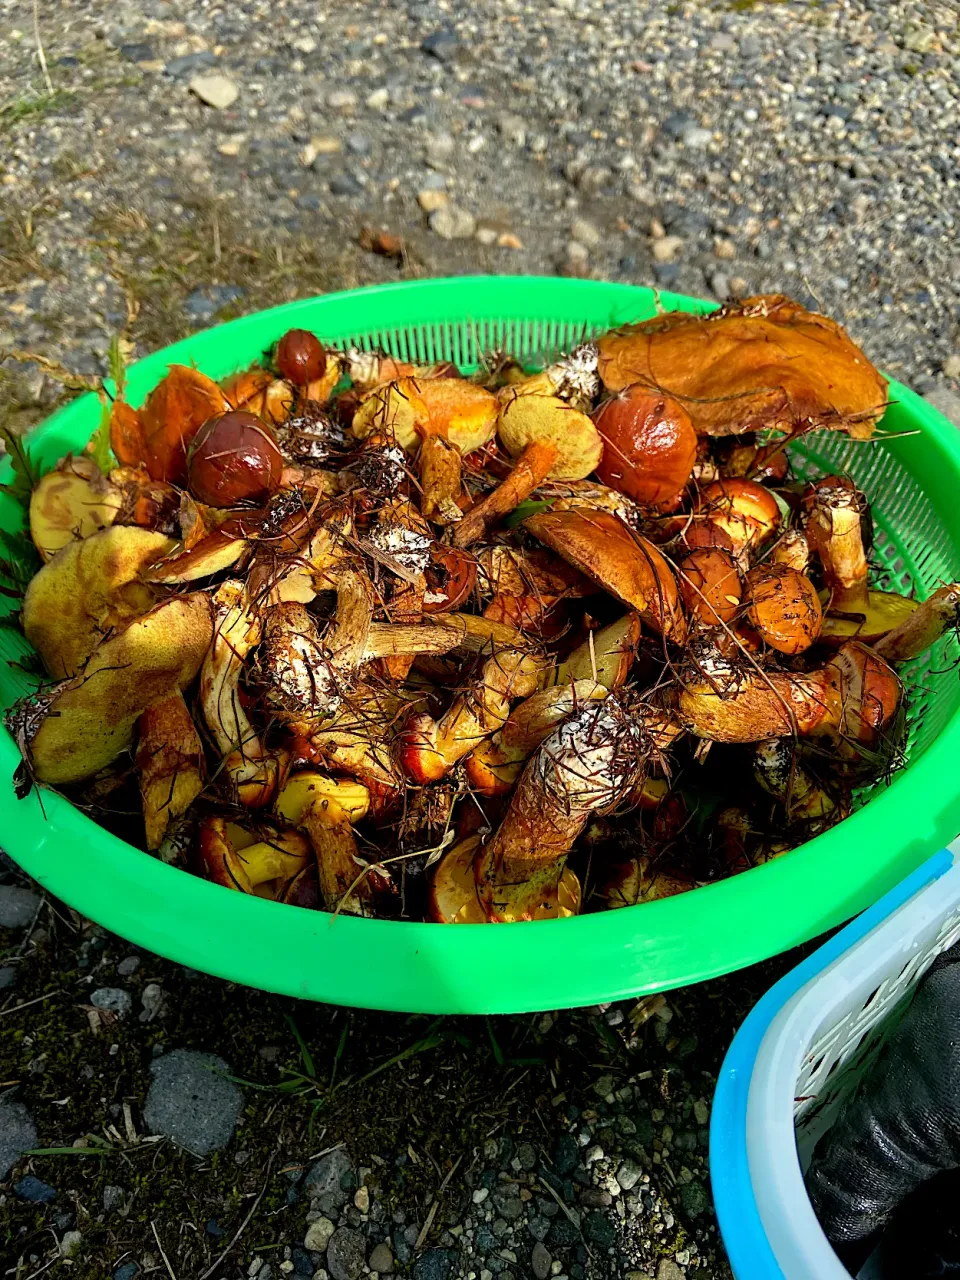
{"x":797,"y":1057}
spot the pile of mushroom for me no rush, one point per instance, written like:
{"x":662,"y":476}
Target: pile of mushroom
{"x":362,"y":636}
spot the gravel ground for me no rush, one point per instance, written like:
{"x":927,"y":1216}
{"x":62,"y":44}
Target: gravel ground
{"x":172,"y":164}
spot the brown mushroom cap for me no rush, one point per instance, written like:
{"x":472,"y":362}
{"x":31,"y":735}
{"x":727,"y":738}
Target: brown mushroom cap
{"x":710,"y":585}
{"x":623,"y":563}
{"x":743,"y":510}
{"x":650,"y":445}
{"x":89,"y":587}
{"x":528,"y":419}
{"x":783,"y":607}
{"x":762,"y":362}
{"x":92,"y":717}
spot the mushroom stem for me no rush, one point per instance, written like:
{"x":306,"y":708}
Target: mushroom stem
{"x":395,"y":639}
{"x":252,"y":771}
{"x":588,"y":763}
{"x":776,"y":769}
{"x":330,"y":831}
{"x":792,"y":550}
{"x":429,"y":749}
{"x":494,"y":766}
{"x":923,"y":628}
{"x":833,"y":528}
{"x":440,"y":472}
{"x":347,"y":637}
{"x":169,"y":762}
{"x":530,"y":469}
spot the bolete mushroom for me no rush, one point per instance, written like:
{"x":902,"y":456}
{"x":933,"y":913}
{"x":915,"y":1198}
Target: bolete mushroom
{"x":638,"y":880}
{"x":71,"y":502}
{"x":783,"y":607}
{"x":84,"y":723}
{"x":588,"y":763}
{"x":710,"y":586}
{"x":549,"y":421}
{"x":88,"y":589}
{"x":169,"y":765}
{"x":623,"y":563}
{"x":649,"y":445}
{"x":739,"y":516}
{"x":833,"y":527}
{"x":233,"y":858}
{"x":346,"y":883}
{"x":454,"y":897}
{"x":924,"y":627}
{"x":779,"y":772}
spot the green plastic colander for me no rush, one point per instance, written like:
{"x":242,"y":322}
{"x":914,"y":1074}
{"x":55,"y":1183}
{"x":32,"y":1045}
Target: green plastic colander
{"x":912,"y":478}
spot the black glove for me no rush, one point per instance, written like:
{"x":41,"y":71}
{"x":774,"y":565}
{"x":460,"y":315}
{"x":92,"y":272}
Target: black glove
{"x":923,"y":1240}
{"x":903,"y":1124}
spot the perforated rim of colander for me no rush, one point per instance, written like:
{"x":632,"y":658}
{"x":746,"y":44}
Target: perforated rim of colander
{"x":600,"y":957}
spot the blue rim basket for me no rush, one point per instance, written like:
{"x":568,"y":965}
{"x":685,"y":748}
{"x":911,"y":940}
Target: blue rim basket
{"x":800,"y":1054}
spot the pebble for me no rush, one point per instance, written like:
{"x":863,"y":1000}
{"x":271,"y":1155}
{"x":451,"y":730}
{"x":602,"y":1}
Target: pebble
{"x":586,"y":233}
{"x":358,"y":144}
{"x":430,"y":200}
{"x":452,"y":223}
{"x":128,"y":966}
{"x":697,"y":138}
{"x":381,"y":1259}
{"x":951,"y":366}
{"x":487,"y":235}
{"x":320,"y":145}
{"x":694,"y":1198}
{"x":701,"y":1111}
{"x":342,"y":99}
{"x":345,"y":184}
{"x":8,"y":976}
{"x":629,"y":1174}
{"x":126,"y":1271}
{"x":318,"y":1235}
{"x":439,"y":151}
{"x":345,"y":1254}
{"x":362,"y":1199}
{"x":666,"y":248}
{"x":153,"y":998}
{"x":191,"y":1102}
{"x":668,"y":1270}
{"x":441,"y":45}
{"x":18,"y":906}
{"x":70,"y":1243}
{"x":201,"y":306}
{"x":113,"y":1198}
{"x":112,"y":1000}
{"x":540,"y":1261}
{"x":36,"y":1192}
{"x":724,"y":249}
{"x":577,"y":252}
{"x":324,"y":1177}
{"x":189,"y":63}
{"x":947,"y":402}
{"x":435,"y":1264}
{"x":377,"y":100}
{"x":216,"y":90}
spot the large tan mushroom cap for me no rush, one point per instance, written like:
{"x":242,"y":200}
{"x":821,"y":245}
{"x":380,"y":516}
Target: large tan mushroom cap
{"x":86,"y":590}
{"x":548,"y":420}
{"x":71,"y":502}
{"x":91,"y":718}
{"x":623,"y":563}
{"x":764,"y":362}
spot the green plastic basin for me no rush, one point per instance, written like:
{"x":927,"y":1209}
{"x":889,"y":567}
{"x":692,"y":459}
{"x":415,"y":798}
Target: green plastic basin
{"x":913,"y":480}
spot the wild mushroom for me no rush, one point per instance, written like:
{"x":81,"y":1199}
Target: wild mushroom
{"x":783,"y":607}
{"x":833,"y":527}
{"x":81,"y":725}
{"x":739,"y":516}
{"x":89,"y":588}
{"x":234,"y":460}
{"x":440,"y":477}
{"x":853,"y":700}
{"x":605,"y":656}
{"x":779,"y":772}
{"x":249,"y":769}
{"x":649,"y":445}
{"x":71,"y":502}
{"x":301,"y":790}
{"x":573,"y":378}
{"x":150,"y":504}
{"x":464,"y":414}
{"x":454,"y":898}
{"x":233,"y":858}
{"x":532,"y":465}
{"x":428,"y":749}
{"x":638,"y":880}
{"x":550,"y":422}
{"x":923,"y":628}
{"x":346,"y":883}
{"x":792,"y":549}
{"x":587,"y":764}
{"x":169,"y":765}
{"x":575,"y":495}
{"x":495,"y":764}
{"x":625,"y":564}
{"x":171,"y":416}
{"x":758,"y":364}
{"x":710,"y":586}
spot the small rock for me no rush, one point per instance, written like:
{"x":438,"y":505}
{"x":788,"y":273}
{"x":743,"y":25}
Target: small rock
{"x":345,"y":184}
{"x":452,"y":223}
{"x":377,"y":100}
{"x":599,"y":1229}
{"x":318,"y":1235}
{"x":676,"y":125}
{"x":666,"y":248}
{"x":215,"y":90}
{"x":128,"y":967}
{"x":345,"y":1254}
{"x":694,"y":1198}
{"x":435,"y":1264}
{"x":947,"y":402}
{"x":112,"y":1000}
{"x":566,"y":1154}
{"x":325,"y":1176}
{"x":8,"y":976}
{"x":321,"y":145}
{"x":701,"y":1111}
{"x":696,"y":138}
{"x":577,"y":252}
{"x":738,"y":288}
{"x":70,"y":1243}
{"x":487,"y":235}
{"x":306,"y":44}
{"x":724,"y":249}
{"x":513,"y":129}
{"x":191,"y":1102}
{"x":358,"y":144}
{"x":629,"y":1174}
{"x":439,"y":151}
{"x":362,"y":1199}
{"x":33,"y":1190}
{"x":126,"y":1271}
{"x":587,"y":234}
{"x":540,"y":1261}
{"x":137,"y":52}
{"x":594,"y":178}
{"x":951,"y":366}
{"x":480,"y":1195}
{"x":214,"y":1229}
{"x":441,"y":45}
{"x":17,"y":906}
{"x":201,"y":306}
{"x":668,"y":1270}
{"x":342,"y":99}
{"x":229,"y":148}
{"x":381,"y":1259}
{"x":431,"y":200}
{"x":507,"y":240}
{"x":113,"y":1198}
{"x":153,"y":998}
{"x":189,"y":63}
